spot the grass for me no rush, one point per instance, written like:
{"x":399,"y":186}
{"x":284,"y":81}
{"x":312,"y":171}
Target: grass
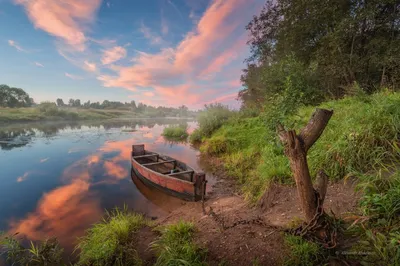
{"x":379,"y":235}
{"x":361,"y":136}
{"x":302,"y":252}
{"x":56,"y":114}
{"x":176,"y":247}
{"x":175,"y":132}
{"x":110,"y":241}
{"x":47,"y":252}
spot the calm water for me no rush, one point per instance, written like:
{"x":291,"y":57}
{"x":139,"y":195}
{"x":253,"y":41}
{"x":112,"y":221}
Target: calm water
{"x":58,"y":179}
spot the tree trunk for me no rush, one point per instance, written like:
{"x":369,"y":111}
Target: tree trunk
{"x":296,"y":148}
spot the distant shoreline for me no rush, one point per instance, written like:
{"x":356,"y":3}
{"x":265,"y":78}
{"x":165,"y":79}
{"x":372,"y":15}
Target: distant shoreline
{"x":32,"y":115}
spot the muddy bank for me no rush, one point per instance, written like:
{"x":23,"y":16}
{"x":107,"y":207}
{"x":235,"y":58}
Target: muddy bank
{"x":236,"y":233}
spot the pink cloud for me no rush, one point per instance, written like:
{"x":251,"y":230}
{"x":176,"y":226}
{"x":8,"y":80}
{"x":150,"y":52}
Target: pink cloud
{"x":23,"y":177}
{"x":148,"y":94}
{"x":66,"y":20}
{"x":89,"y":66}
{"x":112,"y":55}
{"x":182,"y":73}
{"x":223,"y":98}
{"x":226,"y":57}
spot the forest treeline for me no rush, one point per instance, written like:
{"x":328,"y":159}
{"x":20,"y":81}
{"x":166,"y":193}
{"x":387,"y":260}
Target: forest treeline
{"x":16,"y":98}
{"x":306,"y":52}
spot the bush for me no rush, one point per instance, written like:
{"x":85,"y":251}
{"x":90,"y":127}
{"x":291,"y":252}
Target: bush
{"x":109,"y":242}
{"x":176,"y":246}
{"x":196,"y":136}
{"x":212,"y":118}
{"x":48,"y":108}
{"x":176,"y":132}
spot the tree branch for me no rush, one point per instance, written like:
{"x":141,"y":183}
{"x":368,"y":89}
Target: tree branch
{"x":316,"y":125}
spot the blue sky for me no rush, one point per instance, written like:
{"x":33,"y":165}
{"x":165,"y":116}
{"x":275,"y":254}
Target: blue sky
{"x":160,"y":52}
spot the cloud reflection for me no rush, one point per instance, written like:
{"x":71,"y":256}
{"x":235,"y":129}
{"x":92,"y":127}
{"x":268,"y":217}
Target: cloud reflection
{"x":66,"y":211}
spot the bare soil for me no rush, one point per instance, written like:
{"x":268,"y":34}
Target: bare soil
{"x":235,"y":233}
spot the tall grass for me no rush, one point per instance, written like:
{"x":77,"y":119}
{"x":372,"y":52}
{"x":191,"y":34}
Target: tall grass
{"x":176,"y":132}
{"x":361,"y":136}
{"x":176,"y":247}
{"x":379,"y":234}
{"x":110,"y":241}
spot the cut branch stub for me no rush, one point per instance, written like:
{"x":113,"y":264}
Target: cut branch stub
{"x":315,"y":126}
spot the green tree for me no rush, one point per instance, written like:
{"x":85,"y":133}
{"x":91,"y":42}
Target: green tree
{"x":71,"y":102}
{"x":14,"y":97}
{"x":141,"y":107}
{"x":86,"y":105}
{"x":77,"y":103}
{"x":338,"y":42}
{"x":60,"y":102}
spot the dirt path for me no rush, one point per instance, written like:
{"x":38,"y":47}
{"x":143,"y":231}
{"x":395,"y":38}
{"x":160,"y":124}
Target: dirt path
{"x":235,"y":233}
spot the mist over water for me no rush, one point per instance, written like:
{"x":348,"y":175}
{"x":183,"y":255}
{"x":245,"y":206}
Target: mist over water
{"x":57,"y":179}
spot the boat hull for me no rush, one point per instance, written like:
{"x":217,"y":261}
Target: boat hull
{"x":192,"y":189}
{"x":170,"y":190}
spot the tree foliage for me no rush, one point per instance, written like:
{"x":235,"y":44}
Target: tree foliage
{"x":14,"y":97}
{"x":334,"y":43}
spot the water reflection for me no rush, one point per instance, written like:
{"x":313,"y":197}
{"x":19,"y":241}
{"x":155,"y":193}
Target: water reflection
{"x":71,"y":173}
{"x":19,"y":135}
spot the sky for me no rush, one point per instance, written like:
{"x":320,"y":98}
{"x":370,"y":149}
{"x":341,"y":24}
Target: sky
{"x":159,"y":52}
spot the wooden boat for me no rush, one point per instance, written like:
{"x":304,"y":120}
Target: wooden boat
{"x":167,"y":174}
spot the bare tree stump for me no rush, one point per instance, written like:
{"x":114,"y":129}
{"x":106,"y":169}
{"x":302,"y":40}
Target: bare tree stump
{"x":296,"y":148}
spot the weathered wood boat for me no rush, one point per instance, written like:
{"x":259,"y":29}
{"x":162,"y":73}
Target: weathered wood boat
{"x":167,"y":174}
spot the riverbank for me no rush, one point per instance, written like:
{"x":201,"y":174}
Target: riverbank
{"x":35,"y":114}
{"x":359,"y":150}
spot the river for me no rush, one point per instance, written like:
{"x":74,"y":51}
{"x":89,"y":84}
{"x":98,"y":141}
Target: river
{"x":57,"y":179}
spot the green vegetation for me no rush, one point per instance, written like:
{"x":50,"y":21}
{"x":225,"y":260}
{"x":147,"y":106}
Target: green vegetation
{"x":47,"y":252}
{"x":361,"y":136}
{"x":110,"y":241}
{"x":361,"y":140}
{"x":176,"y":247}
{"x":49,"y":112}
{"x":113,"y":242}
{"x":302,"y":252}
{"x":176,"y":132}
{"x":14,"y":97}
{"x":380,"y":233}
{"x":303,"y":52}
{"x":210,"y":119}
